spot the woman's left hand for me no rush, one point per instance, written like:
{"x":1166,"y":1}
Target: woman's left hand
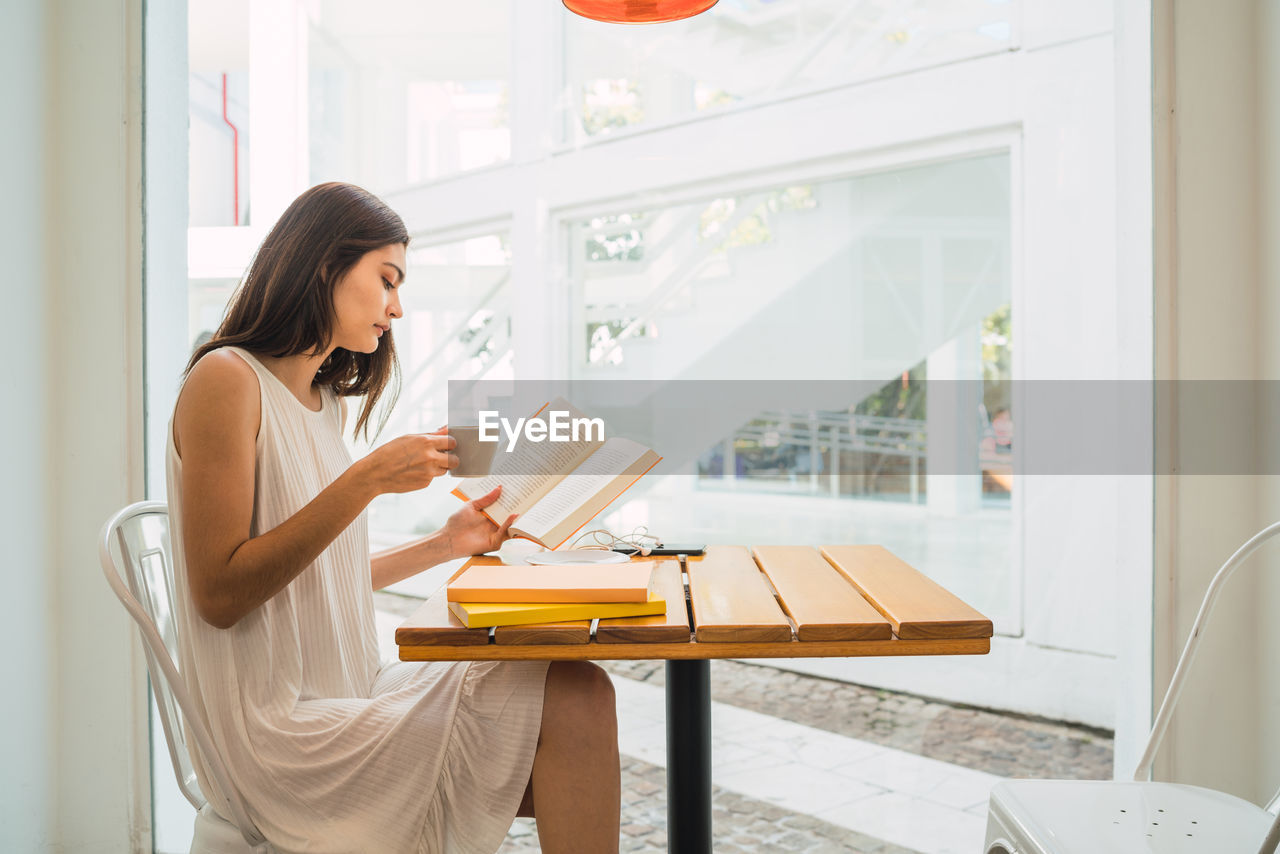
{"x":470,"y":532}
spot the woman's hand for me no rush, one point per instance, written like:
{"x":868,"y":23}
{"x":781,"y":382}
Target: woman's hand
{"x":410,"y":462}
{"x":470,"y":532}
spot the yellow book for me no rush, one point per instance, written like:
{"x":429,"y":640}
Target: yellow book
{"x":476,"y":615}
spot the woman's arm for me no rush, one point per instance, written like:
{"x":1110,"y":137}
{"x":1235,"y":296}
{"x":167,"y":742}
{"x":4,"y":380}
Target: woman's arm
{"x":468,"y":531}
{"x":400,"y":562}
{"x":215,"y":428}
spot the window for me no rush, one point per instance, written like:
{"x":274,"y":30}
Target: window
{"x":880,"y":287}
{"x":917,"y":198}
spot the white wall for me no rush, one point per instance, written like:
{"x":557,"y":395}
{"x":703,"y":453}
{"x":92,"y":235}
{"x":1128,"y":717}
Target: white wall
{"x":1268,"y":53}
{"x":1209,"y":326}
{"x":74,"y":722}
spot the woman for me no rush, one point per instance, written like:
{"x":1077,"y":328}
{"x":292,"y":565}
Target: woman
{"x":331,"y":751}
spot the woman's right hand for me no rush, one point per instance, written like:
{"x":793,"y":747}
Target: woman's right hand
{"x":410,"y":462}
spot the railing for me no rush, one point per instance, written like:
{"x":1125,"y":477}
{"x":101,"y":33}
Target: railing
{"x":680,"y":279}
{"x":797,"y":443}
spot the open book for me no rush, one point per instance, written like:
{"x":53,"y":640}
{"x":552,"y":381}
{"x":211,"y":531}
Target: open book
{"x":557,"y":487}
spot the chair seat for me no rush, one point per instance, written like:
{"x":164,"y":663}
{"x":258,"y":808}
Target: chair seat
{"x":215,"y":835}
{"x":1102,"y":817}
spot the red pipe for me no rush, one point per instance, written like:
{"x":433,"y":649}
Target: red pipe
{"x":235,"y":154}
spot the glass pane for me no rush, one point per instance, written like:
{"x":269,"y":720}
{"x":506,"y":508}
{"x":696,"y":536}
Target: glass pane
{"x":405,"y":93}
{"x":382,"y":94}
{"x":901,"y":278}
{"x":616,"y":77}
{"x":219,"y":148}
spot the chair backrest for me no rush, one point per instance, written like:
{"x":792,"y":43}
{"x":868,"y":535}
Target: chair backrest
{"x":1170,"y":702}
{"x":135,"y":544}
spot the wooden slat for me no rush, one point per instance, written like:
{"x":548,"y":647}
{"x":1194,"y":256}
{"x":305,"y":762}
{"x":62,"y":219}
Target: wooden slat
{"x":691,"y":650}
{"x":434,"y":623}
{"x":821,"y":602}
{"x":569,"y":632}
{"x":659,"y":628}
{"x":731,"y":600}
{"x":916,"y":606}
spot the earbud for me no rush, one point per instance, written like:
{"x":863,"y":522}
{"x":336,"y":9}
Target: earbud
{"x":640,"y":541}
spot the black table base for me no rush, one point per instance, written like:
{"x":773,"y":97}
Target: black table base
{"x":689,"y":757}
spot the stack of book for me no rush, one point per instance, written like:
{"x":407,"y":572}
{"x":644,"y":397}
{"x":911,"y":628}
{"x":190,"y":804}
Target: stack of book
{"x":483,"y":596}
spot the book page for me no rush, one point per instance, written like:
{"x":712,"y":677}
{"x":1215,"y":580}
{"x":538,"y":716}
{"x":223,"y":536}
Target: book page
{"x":594,"y":474}
{"x":530,"y":469}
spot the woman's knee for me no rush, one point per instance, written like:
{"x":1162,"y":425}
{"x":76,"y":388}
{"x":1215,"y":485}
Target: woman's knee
{"x":580,"y":693}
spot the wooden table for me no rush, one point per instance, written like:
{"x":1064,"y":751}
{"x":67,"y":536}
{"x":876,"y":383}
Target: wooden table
{"x":734,"y":602}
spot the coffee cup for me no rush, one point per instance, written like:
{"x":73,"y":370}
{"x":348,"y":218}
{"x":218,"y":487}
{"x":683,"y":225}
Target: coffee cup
{"x":474,"y":457}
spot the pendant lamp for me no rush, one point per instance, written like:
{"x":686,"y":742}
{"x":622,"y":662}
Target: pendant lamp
{"x":638,"y":11}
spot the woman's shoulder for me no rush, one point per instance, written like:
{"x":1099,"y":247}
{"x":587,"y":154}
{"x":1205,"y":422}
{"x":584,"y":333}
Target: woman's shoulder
{"x":224,"y":372}
{"x":222,"y":388}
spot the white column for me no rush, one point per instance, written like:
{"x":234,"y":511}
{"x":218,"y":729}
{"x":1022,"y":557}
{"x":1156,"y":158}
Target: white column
{"x":91,"y":352}
{"x":278,"y":143}
{"x":382,"y":103}
{"x":1134,"y":301}
{"x":538,"y":292}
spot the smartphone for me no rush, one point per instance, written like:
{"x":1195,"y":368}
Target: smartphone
{"x":665,"y":549}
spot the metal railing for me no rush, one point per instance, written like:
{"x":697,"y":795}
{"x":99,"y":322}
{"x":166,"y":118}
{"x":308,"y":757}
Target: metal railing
{"x":806,"y":447}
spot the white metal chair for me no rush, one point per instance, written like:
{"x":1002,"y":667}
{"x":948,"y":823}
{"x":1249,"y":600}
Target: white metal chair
{"x":1120,"y":817}
{"x":135,"y":544}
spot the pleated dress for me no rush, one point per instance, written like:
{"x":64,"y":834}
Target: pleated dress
{"x":332,"y":750}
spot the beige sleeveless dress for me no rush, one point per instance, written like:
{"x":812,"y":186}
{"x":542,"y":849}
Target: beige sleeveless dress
{"x":331,"y":750}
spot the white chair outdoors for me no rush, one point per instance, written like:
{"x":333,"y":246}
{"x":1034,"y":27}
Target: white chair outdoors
{"x":135,"y":543}
{"x":1120,"y":817}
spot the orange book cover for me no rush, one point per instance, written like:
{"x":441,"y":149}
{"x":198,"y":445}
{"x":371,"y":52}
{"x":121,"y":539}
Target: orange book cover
{"x":624,"y":582}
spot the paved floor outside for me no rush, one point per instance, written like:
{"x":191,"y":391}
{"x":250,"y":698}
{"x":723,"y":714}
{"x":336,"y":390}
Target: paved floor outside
{"x":803,"y":763}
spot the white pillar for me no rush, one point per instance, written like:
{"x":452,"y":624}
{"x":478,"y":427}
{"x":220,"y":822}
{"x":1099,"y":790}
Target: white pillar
{"x":538,"y":318}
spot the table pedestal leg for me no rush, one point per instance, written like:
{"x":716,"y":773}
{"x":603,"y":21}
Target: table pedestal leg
{"x":689,"y":757}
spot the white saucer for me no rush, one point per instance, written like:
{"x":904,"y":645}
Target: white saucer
{"x":575,"y":556}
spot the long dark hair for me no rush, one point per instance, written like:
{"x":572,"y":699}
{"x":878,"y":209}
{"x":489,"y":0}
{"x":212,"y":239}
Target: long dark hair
{"x":284,"y":306}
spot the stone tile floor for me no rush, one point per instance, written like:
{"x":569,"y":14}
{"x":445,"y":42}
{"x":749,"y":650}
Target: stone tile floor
{"x":997,"y":743}
{"x":900,"y":726}
{"x":740,"y":824}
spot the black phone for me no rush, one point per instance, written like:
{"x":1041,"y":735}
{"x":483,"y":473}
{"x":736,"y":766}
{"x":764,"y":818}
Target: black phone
{"x":665,"y":549}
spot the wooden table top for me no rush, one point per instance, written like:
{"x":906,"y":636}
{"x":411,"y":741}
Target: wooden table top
{"x":737,"y":602}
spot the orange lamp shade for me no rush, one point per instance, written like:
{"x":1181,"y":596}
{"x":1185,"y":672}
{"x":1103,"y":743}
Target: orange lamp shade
{"x":638,"y":11}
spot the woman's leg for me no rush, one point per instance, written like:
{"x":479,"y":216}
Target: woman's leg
{"x":575,"y":791}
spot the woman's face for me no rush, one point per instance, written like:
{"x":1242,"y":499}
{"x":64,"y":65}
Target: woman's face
{"x":367,"y":298}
